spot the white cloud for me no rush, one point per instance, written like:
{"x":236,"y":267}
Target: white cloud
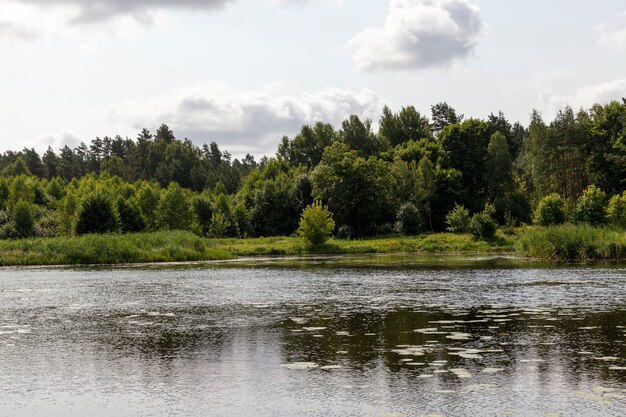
{"x":420,"y":34}
{"x":610,"y":37}
{"x":26,"y":19}
{"x":584,"y":97}
{"x":239,"y":120}
{"x":56,"y":141}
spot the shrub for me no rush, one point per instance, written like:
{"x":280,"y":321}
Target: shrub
{"x":458,"y":220}
{"x":316,"y":224}
{"x":550,"y":210}
{"x":204,"y":210}
{"x":175,"y":211}
{"x":616,"y":211}
{"x":48,"y":224}
{"x":96,"y":214}
{"x":591,"y":207}
{"x":131,"y":219}
{"x":219,"y":225}
{"x":482,"y":225}
{"x":408,"y":220}
{"x":23,"y":219}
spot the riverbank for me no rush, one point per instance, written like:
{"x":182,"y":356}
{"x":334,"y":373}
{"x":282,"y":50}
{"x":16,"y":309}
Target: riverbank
{"x":568,"y":242}
{"x":186,"y":247}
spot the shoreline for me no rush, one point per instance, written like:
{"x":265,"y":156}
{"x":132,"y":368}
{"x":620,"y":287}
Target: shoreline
{"x":548,"y":245}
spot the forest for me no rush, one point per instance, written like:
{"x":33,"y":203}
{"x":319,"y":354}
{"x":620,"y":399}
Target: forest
{"x":415,"y":174}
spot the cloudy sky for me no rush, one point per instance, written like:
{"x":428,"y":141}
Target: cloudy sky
{"x":245,"y":72}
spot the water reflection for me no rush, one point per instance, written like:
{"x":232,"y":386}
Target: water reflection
{"x":319,"y":341}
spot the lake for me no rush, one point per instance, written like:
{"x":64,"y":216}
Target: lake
{"x":314,"y":337}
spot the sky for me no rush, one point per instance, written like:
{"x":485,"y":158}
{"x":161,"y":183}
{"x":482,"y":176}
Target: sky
{"x":243,"y":73}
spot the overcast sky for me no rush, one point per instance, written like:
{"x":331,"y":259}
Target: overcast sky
{"x":245,"y":72}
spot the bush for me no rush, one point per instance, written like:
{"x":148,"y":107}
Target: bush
{"x":482,"y":225}
{"x":175,"y":211}
{"x":591,"y":207}
{"x":458,"y":220}
{"x":96,"y":214}
{"x":23,"y":219}
{"x":616,"y":212}
{"x":316,"y":224}
{"x":131,"y":219}
{"x":48,"y":224}
{"x":408,"y":220}
{"x":550,"y":210}
{"x":219,"y":225}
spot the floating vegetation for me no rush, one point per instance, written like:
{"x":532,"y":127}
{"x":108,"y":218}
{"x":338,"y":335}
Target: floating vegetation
{"x":617,"y":368}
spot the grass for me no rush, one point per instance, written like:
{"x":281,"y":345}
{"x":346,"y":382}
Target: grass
{"x":180,"y":246}
{"x":432,"y":243}
{"x":109,"y":249}
{"x":573,"y":242}
{"x":568,"y":242}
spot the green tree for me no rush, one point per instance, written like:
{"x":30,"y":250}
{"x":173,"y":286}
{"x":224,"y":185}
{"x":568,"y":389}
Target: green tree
{"x":316,"y":224}
{"x":131,"y":219}
{"x":96,"y":214}
{"x":175,"y":211}
{"x":550,"y":210}
{"x":458,"y":220}
{"x":426,"y":187}
{"x":591,"y":207}
{"x":358,"y":191}
{"x":408,"y":219}
{"x":16,"y":168}
{"x":498,"y":173}
{"x":482,"y":225}
{"x":23,"y":219}
{"x":616,"y":211}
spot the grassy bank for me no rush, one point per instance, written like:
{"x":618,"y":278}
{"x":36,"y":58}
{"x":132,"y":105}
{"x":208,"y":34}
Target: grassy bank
{"x":109,"y":249}
{"x":185,"y":246}
{"x":573,"y":242}
{"x":583,"y":243}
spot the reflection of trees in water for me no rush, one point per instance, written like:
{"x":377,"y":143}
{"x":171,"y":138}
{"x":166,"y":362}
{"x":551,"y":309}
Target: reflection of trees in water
{"x":523,"y":338}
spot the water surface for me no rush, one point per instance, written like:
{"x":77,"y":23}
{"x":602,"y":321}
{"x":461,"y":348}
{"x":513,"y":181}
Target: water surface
{"x":268,"y":341}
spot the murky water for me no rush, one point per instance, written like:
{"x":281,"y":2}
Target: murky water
{"x":272,"y":341}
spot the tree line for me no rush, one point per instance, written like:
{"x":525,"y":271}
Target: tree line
{"x":406,"y":176}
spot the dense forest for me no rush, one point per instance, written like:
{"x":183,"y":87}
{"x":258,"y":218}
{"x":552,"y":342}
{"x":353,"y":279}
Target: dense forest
{"x":415,"y":169}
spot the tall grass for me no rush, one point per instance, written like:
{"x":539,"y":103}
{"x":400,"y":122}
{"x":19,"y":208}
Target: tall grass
{"x":573,"y":242}
{"x":185,"y":247}
{"x":109,"y":249}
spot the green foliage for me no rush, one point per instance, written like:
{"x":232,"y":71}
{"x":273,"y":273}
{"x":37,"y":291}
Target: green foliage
{"x":23,"y":219}
{"x":174,"y":211}
{"x":482,"y":225}
{"x":357,"y":190}
{"x":203,"y":208}
{"x":219,"y":225}
{"x":498,"y":174}
{"x":96,"y":214}
{"x":573,"y":242}
{"x":16,"y":168}
{"x":591,"y":207}
{"x":131,"y":219}
{"x":550,"y":210}
{"x":616,"y":211}
{"x":458,"y":220}
{"x":408,"y":220}
{"x":316,"y":224}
